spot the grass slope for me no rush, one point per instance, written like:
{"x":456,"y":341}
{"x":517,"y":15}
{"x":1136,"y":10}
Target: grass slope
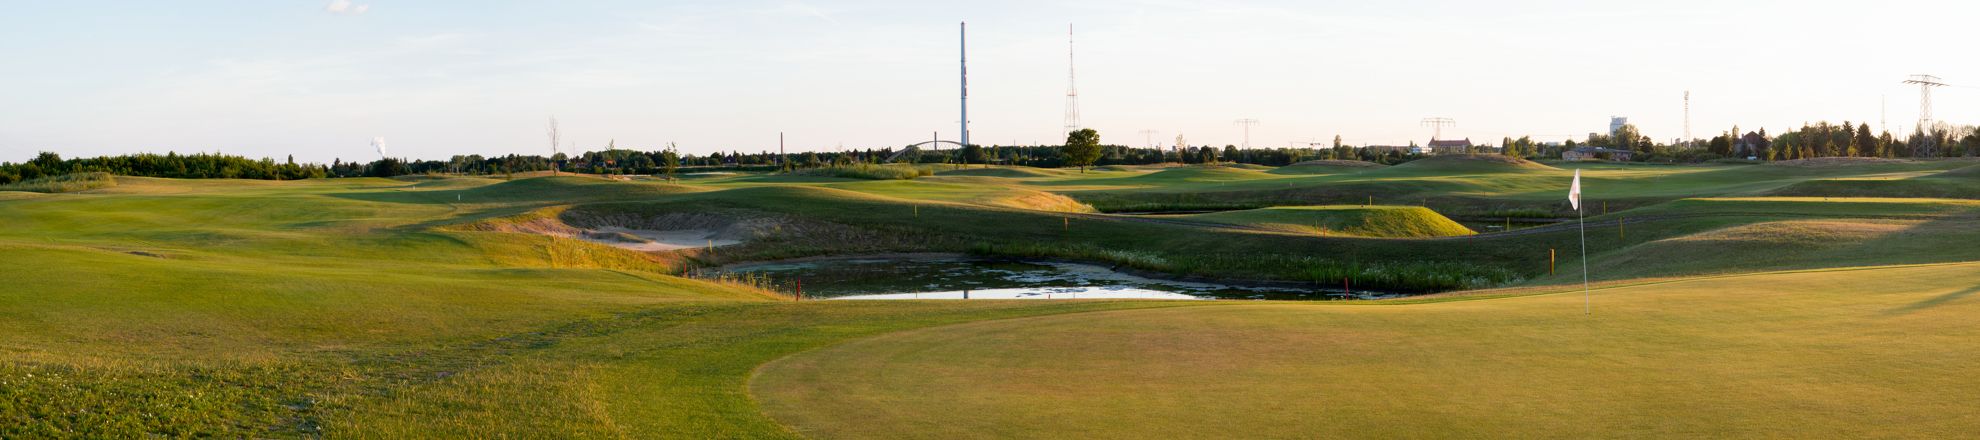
{"x":1855,"y":353}
{"x":1359,"y":221}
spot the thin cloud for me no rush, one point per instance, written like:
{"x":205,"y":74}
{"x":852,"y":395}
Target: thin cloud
{"x":800,"y":8}
{"x":346,"y":7}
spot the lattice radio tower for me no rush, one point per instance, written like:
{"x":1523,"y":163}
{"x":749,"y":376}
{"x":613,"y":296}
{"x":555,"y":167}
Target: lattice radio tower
{"x":1247,"y":123}
{"x":1687,"y":118}
{"x":1149,"y":137}
{"x":1438,"y":125}
{"x":1072,"y":89}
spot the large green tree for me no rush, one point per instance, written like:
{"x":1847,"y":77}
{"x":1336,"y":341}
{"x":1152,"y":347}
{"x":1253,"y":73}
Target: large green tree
{"x":973,"y":153}
{"x":1082,"y":148}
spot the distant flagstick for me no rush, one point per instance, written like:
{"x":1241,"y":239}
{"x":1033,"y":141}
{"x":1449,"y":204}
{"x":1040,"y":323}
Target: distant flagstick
{"x":1574,"y":197}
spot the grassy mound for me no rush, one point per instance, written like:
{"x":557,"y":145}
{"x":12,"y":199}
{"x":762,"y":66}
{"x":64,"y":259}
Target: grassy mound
{"x":1357,"y":221}
{"x":63,"y":183}
{"x":1035,"y":200}
{"x":1474,"y":163}
{"x":1774,"y":245}
{"x":1938,"y":186}
{"x":1008,"y":172}
{"x":868,"y":171}
{"x":1313,"y":167}
{"x":1201,"y":173}
{"x":1830,"y":162}
{"x":557,"y":189}
{"x":1972,"y":172}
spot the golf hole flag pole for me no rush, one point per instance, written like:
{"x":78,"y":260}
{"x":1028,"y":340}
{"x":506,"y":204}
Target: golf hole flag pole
{"x":1574,"y":198}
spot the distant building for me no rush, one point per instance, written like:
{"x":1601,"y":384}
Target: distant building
{"x":1616,"y":123}
{"x":1451,"y":147}
{"x":1595,"y":153}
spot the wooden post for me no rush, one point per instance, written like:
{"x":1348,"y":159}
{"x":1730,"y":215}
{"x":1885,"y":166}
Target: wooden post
{"x":1619,"y":228}
{"x":1371,"y":202}
{"x":917,"y":211}
{"x":1346,"y":287}
{"x":800,"y":289}
{"x":1509,"y":223}
{"x":1550,"y":262}
{"x":1066,"y":221}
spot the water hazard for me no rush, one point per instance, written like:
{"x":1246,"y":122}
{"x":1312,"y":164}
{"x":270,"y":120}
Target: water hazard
{"x":974,"y":278}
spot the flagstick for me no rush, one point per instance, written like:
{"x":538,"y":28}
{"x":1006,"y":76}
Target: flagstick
{"x":1587,"y":307}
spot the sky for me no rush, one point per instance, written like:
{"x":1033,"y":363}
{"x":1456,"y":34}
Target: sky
{"x":320,"y":79}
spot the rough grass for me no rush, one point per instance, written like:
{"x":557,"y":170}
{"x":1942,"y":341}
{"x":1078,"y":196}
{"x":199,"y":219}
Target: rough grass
{"x":1313,"y":167}
{"x":1803,"y":355}
{"x":1971,"y":172}
{"x":868,"y":171}
{"x":1010,"y":172}
{"x":1826,"y":162}
{"x":1458,"y":163}
{"x":63,"y":183}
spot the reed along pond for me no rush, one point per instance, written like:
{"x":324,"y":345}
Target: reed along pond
{"x":948,"y":277}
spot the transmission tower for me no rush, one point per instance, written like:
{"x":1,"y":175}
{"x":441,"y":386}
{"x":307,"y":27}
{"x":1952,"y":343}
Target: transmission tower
{"x":1149,"y":137}
{"x":1925,"y":84}
{"x":1687,"y":118}
{"x":1072,"y":91}
{"x":1438,"y":124}
{"x":1247,"y":123}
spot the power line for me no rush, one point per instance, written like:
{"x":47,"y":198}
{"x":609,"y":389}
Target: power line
{"x":1438,"y":124}
{"x":1247,"y":123}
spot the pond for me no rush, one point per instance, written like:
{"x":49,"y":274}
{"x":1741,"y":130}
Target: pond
{"x":956,"y":277}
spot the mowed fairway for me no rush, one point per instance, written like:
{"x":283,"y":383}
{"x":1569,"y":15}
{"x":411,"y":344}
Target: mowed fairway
{"x":1881,"y":352}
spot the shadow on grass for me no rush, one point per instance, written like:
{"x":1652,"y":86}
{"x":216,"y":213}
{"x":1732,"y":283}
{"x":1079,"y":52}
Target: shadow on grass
{"x":1934,"y":301}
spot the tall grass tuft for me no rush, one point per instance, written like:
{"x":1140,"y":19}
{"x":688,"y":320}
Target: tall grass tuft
{"x":63,"y":183}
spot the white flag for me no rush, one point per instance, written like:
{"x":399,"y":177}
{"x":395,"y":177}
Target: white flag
{"x":1574,"y":191}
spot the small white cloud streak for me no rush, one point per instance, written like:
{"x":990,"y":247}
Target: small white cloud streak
{"x":346,"y":7}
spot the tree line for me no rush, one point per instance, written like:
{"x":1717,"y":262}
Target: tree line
{"x":1821,"y":139}
{"x":173,"y":165}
